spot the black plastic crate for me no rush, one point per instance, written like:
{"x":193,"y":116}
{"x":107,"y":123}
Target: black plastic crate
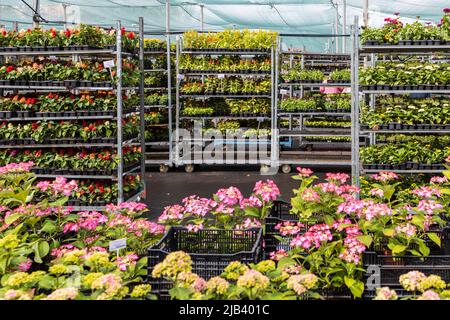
{"x":279,"y":213}
{"x":389,"y":269}
{"x":210,"y":250}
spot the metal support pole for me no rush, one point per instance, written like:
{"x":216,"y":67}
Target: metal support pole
{"x":64,"y":6}
{"x":201,"y":18}
{"x":16,"y":26}
{"x":142,"y":101}
{"x":169,"y":83}
{"x":336,"y":38}
{"x":355,"y":102}
{"x":119,"y":112}
{"x":366,"y":13}
{"x":177,"y":103}
{"x":344,"y":25}
{"x":36,"y":15}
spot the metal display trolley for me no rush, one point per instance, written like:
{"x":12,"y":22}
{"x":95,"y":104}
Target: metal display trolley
{"x":159,"y":145}
{"x":378,"y":52}
{"x":296,"y":134}
{"x":243,"y":145}
{"x":118,"y":143}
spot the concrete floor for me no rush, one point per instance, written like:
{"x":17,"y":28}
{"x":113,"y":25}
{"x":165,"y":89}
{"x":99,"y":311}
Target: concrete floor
{"x":165,"y":189}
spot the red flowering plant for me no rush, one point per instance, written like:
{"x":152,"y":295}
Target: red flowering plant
{"x":228,"y":209}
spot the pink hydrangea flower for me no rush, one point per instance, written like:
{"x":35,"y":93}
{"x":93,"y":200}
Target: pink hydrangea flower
{"x":376,"y":192}
{"x":385,"y":176}
{"x":309,"y":195}
{"x":229,"y":196}
{"x":26,"y":265}
{"x":438,"y":180}
{"x":171,"y":213}
{"x":278,"y":255}
{"x":268,"y":190}
{"x":304,"y":172}
{"x":337,"y":177}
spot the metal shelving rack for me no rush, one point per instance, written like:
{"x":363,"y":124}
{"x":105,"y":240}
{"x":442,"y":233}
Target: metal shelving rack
{"x":371,"y":52}
{"x":271,"y":141}
{"x":162,"y":158}
{"x":120,"y":172}
{"x":335,"y":157}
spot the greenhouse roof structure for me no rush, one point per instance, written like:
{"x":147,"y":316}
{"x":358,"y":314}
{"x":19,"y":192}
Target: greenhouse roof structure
{"x":285,"y":16}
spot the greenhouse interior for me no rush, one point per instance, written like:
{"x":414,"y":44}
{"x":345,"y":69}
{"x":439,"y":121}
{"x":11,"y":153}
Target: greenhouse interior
{"x":224,"y":150}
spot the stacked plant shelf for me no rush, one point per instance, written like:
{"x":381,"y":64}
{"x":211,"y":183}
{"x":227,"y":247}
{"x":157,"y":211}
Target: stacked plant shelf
{"x":225,"y":82}
{"x":158,"y":106}
{"x":408,"y":133}
{"x":314,"y":127}
{"x":68,"y":104}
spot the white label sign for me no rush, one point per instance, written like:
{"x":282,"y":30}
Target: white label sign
{"x":283,"y":91}
{"x":118,"y":244}
{"x":180,"y":77}
{"x":220,"y":76}
{"x":108,"y":64}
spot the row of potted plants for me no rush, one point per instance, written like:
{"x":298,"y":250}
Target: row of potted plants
{"x":64,"y":103}
{"x":156,"y":99}
{"x":408,"y":73}
{"x":394,"y":31}
{"x":315,"y":76}
{"x":230,"y":106}
{"x":326,"y":123}
{"x":79,"y":37}
{"x":407,"y":111}
{"x":317,"y":103}
{"x":404,"y":152}
{"x":87,"y":161}
{"x":223,"y":64}
{"x":40,"y":131}
{"x":230,"y":85}
{"x":439,"y":141}
{"x":230,"y":39}
{"x":71,"y":73}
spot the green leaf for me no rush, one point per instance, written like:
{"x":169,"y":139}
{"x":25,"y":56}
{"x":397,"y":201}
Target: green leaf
{"x":355,"y":286}
{"x":398,"y":248}
{"x":49,"y":226}
{"x":365,"y":239}
{"x":388,"y":232}
{"x":435,"y":238}
{"x":43,"y":248}
{"x":12,"y":218}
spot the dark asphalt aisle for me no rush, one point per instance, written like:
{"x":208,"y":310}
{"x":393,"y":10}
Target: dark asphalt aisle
{"x":165,"y":189}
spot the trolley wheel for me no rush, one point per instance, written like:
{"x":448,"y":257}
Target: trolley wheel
{"x":286,"y":168}
{"x":163,"y":168}
{"x":189,"y":168}
{"x":264,"y":168}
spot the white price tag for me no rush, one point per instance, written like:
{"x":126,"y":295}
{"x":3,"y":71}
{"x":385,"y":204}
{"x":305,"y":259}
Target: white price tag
{"x":180,"y":76}
{"x":220,"y":76}
{"x":260,"y":119}
{"x":108,"y":64}
{"x":153,"y":60}
{"x":118,"y":244}
{"x":283,"y":91}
